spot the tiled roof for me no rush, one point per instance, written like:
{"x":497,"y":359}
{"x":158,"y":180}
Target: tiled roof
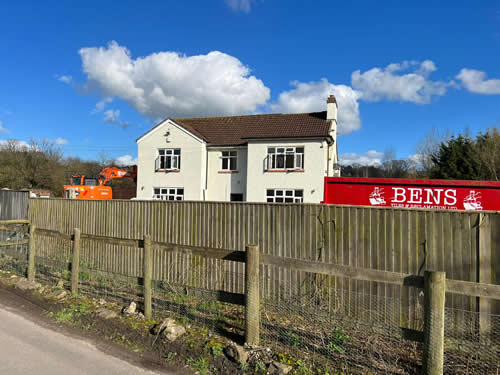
{"x":236,"y":130}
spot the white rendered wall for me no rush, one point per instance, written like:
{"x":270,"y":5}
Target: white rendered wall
{"x":191,"y":176}
{"x":222,"y":184}
{"x":310,"y":181}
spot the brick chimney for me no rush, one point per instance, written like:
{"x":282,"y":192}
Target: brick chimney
{"x":331,"y":115}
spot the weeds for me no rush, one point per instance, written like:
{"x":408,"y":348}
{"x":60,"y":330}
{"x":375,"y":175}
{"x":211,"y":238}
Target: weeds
{"x":336,"y":341}
{"x":202,"y":365}
{"x":291,"y":338}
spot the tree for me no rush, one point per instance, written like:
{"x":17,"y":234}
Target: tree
{"x":488,"y":152}
{"x":456,"y":159}
{"x":33,"y":165}
{"x":428,"y":148}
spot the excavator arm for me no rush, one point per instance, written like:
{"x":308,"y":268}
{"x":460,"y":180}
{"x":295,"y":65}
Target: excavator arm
{"x":108,"y":174}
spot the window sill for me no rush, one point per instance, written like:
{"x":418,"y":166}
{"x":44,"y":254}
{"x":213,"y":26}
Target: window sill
{"x":284,"y":170}
{"x":224,"y":172}
{"x":168,"y":170}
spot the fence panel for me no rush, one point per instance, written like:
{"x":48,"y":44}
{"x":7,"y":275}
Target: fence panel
{"x":13,"y":205}
{"x":399,"y":240}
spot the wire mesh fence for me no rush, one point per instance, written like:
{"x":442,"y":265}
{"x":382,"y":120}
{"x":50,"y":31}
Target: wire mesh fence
{"x":468,"y":349}
{"x":334,"y":323}
{"x":14,"y":249}
{"x":53,"y":259}
{"x":315,"y":326}
{"x":197,"y":292}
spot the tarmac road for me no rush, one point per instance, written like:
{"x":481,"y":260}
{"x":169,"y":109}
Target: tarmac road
{"x":26,"y":348}
{"x":32,"y":343}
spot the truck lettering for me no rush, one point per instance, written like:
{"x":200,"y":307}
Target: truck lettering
{"x":399,"y":192}
{"x":450,"y":197}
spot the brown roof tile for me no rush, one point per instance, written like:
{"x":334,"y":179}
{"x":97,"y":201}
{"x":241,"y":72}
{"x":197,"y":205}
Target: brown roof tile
{"x":236,"y":130}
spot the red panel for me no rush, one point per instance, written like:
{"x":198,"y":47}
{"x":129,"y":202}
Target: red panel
{"x":409,"y":193}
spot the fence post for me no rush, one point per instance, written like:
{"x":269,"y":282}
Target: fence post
{"x":252,"y":307}
{"x":31,"y":253}
{"x":148,"y":276}
{"x":75,"y":264}
{"x":485,"y":274}
{"x":434,"y":298}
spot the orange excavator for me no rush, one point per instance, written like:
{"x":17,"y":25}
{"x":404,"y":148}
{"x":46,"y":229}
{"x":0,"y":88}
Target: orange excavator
{"x":83,"y":187}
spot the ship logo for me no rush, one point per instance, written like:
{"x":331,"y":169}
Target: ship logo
{"x":471,"y":201}
{"x":377,"y":197}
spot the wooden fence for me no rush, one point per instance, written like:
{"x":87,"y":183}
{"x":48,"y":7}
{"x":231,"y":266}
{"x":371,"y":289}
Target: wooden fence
{"x":13,"y":205}
{"x":434,"y":283}
{"x":465,"y":245}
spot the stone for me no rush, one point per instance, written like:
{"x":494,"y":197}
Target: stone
{"x":169,"y":329}
{"x":131,"y":309}
{"x":106,"y":313}
{"x":24,"y":284}
{"x":60,"y":284}
{"x":236,"y":353}
{"x":101,"y":302}
{"x":276,"y":368}
{"x":57,"y":295}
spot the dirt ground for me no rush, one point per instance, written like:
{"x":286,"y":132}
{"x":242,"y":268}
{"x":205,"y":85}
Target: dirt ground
{"x":128,"y":338}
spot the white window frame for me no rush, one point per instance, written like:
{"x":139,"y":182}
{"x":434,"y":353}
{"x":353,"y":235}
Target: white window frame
{"x":228,"y":156}
{"x":169,"y":155}
{"x":168,"y":193}
{"x":285,"y":154}
{"x":284,"y":195}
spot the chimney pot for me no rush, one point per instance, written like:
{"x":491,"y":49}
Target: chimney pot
{"x":332,"y":99}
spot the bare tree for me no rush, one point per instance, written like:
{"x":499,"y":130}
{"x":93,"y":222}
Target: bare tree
{"x":429,"y":147}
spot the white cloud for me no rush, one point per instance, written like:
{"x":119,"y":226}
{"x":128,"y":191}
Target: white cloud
{"x":18,"y":144}
{"x":240,"y":5}
{"x":125,"y":160}
{"x":311,"y":96}
{"x":65,"y":79}
{"x":171,"y":84}
{"x":111,"y":116}
{"x":100,"y":105}
{"x":475,"y":81}
{"x":407,"y":82}
{"x":2,"y":129}
{"x":369,"y":158}
{"x":61,"y":141}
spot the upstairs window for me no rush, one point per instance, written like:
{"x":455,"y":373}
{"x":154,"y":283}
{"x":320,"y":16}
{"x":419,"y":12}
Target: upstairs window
{"x":284,"y":196}
{"x":229,"y":160}
{"x":169,"y":194}
{"x":285,"y":158}
{"x":168,"y":159}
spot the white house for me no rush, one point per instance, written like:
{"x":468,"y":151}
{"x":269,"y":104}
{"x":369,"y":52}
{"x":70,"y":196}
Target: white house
{"x":255,"y":158}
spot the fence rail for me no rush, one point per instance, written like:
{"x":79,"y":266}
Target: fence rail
{"x":324,"y":262}
{"x":432,"y":335}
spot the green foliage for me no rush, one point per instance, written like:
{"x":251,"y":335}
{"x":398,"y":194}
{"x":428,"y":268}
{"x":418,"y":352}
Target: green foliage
{"x":202,"y":365}
{"x":72,"y":313}
{"x":291,"y":338}
{"x":244,"y":367}
{"x":301,"y":368}
{"x":214,"y":347}
{"x":336,"y":341}
{"x":456,"y":159}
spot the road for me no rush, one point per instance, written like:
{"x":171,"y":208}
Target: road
{"x":27,"y":348}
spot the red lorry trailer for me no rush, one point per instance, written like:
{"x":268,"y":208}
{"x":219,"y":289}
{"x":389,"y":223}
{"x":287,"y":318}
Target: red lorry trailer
{"x":410,"y":193}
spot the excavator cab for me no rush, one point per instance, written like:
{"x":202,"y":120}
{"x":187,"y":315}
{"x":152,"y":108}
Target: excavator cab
{"x":83,"y":187}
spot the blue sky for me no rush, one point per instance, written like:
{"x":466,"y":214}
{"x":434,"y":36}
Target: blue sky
{"x":95,"y":76}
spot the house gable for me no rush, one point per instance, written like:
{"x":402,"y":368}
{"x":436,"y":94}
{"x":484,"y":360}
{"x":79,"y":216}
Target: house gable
{"x":170,"y":122}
